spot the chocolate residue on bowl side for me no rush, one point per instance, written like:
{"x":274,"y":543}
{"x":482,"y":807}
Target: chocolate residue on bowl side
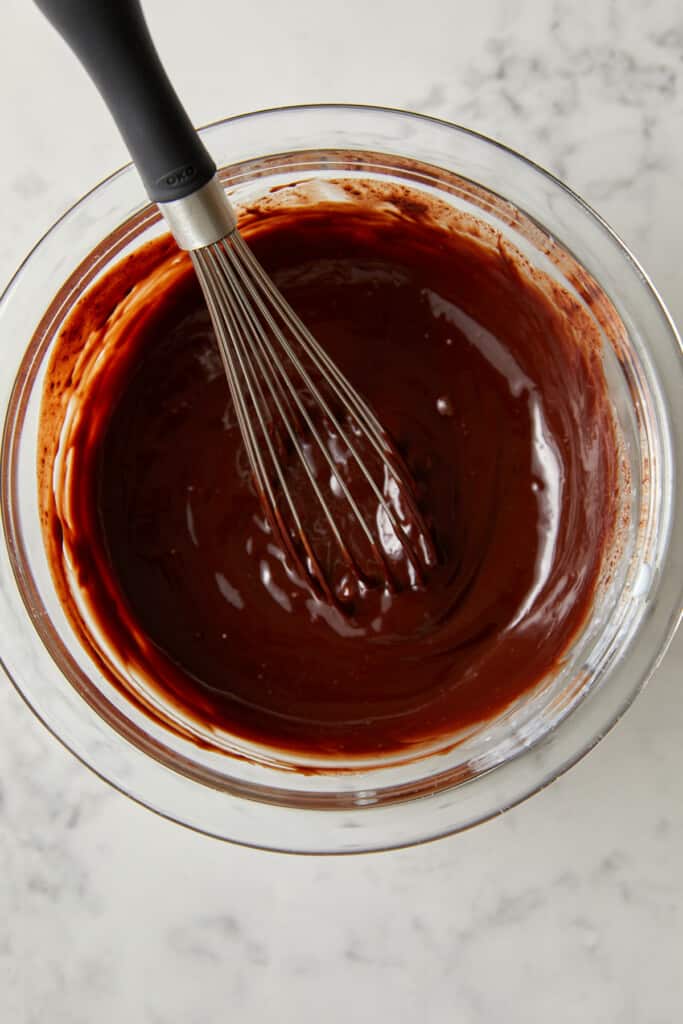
{"x":487,"y":374}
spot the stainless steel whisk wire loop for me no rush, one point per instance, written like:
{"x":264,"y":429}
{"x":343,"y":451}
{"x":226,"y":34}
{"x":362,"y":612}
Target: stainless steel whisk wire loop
{"x":260,"y":338}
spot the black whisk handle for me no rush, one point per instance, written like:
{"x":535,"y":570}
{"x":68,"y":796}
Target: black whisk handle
{"x":112,"y":41}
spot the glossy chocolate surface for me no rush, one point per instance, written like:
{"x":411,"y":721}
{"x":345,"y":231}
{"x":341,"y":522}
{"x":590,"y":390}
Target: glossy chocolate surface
{"x":489,"y":379}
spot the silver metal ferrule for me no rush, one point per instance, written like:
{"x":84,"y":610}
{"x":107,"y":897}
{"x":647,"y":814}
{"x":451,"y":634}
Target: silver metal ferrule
{"x":202,"y":218}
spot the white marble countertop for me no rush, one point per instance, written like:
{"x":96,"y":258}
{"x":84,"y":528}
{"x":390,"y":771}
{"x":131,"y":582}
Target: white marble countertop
{"x":566,"y":909}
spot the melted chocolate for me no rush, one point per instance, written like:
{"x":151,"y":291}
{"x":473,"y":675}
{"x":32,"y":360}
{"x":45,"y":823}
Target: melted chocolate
{"x":488,"y":377}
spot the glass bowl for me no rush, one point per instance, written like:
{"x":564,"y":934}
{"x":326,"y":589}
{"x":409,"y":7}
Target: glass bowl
{"x":265,"y":798}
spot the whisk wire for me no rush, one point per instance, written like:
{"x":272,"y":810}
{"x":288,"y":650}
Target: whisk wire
{"x":255,"y":272}
{"x":362,"y":413}
{"x":262,"y":344}
{"x":276,"y":366}
{"x":223,"y":318}
{"x":313,"y":348}
{"x":229,"y":323}
{"x":257,"y":342}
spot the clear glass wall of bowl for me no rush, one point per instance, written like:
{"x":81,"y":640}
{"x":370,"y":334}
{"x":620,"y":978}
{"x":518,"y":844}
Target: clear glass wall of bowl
{"x":261,"y":799}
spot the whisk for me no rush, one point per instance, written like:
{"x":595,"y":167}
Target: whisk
{"x":335,"y":491}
